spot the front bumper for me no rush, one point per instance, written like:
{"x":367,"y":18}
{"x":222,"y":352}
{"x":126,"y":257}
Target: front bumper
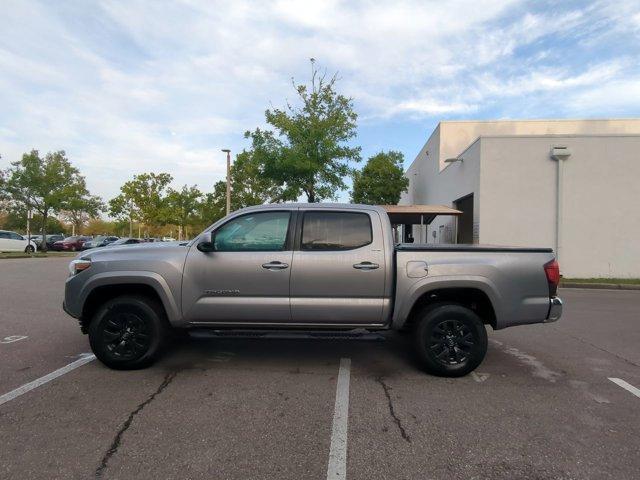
{"x":66,"y":310}
{"x":555,"y":309}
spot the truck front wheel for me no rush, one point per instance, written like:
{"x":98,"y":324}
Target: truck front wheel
{"x":128,"y":332}
{"x":450,"y":340}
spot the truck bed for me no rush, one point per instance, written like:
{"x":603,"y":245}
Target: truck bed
{"x":450,"y":247}
{"x":513,"y":278}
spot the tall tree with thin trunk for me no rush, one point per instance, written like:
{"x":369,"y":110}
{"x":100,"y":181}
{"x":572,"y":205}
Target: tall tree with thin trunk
{"x":309,"y":152}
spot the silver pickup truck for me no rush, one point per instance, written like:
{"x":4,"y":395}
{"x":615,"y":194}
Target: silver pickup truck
{"x":310,"y":267}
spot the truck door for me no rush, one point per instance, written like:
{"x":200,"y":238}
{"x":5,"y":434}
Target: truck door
{"x":338,"y":273}
{"x":246,"y":278}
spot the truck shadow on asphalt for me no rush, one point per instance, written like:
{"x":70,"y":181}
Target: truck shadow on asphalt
{"x":387,"y":355}
{"x":381,"y":355}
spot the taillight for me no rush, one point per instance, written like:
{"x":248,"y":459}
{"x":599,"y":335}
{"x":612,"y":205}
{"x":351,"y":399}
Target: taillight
{"x":552,"y":271}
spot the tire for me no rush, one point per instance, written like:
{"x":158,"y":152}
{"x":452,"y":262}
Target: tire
{"x":73,"y":248}
{"x":128,"y":332}
{"x":450,"y":340}
{"x":29,"y":249}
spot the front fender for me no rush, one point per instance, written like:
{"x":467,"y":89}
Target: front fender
{"x":425,"y":285}
{"x":75,"y":303}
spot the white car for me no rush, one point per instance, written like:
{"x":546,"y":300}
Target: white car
{"x":14,"y":242}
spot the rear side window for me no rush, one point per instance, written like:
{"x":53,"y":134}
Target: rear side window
{"x":335,"y":230}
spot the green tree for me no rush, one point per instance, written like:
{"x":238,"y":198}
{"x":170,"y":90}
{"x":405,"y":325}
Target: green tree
{"x":16,"y":219}
{"x":381,"y":181}
{"x":182,"y":207}
{"x":309,"y":152}
{"x":249,"y":184}
{"x":46,"y":185}
{"x":122,"y":209}
{"x":81,"y":207}
{"x":142,"y":199}
{"x":213,"y":206}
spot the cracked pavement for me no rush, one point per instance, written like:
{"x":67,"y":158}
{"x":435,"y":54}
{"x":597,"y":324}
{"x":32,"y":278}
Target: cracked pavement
{"x":539,"y":407}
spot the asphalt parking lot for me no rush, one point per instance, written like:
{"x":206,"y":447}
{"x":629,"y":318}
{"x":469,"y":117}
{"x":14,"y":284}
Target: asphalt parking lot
{"x":541,"y":406}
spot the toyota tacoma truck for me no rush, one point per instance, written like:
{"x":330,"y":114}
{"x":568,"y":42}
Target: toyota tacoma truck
{"x":309,"y":267}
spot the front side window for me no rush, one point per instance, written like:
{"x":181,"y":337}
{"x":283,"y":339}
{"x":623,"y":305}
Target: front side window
{"x":15,"y":236}
{"x":257,"y":232}
{"x":335,"y":230}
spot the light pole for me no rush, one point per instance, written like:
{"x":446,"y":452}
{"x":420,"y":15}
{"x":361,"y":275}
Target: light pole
{"x":29,"y":217}
{"x":228,"y":152}
{"x":130,"y":218}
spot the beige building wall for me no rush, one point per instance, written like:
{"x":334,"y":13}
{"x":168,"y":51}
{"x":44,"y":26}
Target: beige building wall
{"x":514,"y":182}
{"x":600,"y":226}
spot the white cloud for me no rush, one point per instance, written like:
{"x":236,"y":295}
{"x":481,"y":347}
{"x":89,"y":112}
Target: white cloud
{"x":135,"y":86}
{"x":430,"y":106}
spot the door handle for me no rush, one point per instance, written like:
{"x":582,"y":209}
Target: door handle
{"x":275,"y":265}
{"x":365,"y":266}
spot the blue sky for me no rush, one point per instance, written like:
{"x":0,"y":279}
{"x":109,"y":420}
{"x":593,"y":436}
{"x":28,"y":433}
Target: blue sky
{"x":132,"y":86}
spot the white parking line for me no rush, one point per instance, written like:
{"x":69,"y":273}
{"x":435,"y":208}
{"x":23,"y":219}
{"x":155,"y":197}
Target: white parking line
{"x":626,"y":386}
{"x":13,"y":338}
{"x":86,"y":358}
{"x":337,"y":468}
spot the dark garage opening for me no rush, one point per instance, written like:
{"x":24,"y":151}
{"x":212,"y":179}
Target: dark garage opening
{"x":465,"y":221}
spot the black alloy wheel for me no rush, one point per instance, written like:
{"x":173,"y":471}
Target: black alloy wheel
{"x":126,"y":336}
{"x":128,"y":332}
{"x":450,"y":340}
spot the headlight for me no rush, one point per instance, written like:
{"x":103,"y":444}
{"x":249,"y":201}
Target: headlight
{"x":78,"y":265}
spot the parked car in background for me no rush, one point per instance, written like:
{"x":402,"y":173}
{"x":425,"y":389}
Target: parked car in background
{"x":125,"y":241}
{"x":14,"y":242}
{"x":71,"y":244}
{"x":50,"y":240}
{"x":99,"y":241}
{"x":168,"y":239}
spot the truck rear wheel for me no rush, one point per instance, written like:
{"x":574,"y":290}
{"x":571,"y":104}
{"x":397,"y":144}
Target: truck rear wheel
{"x":450,"y":340}
{"x":128,"y":332}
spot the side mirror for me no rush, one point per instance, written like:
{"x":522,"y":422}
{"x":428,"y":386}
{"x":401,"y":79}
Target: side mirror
{"x":208,"y":246}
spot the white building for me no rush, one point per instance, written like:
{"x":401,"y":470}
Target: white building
{"x":573,"y":185}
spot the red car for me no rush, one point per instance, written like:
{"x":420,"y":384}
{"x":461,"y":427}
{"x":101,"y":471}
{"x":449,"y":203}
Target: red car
{"x":71,"y":244}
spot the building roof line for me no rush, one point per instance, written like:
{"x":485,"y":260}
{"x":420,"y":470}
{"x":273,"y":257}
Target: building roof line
{"x":555,"y":135}
{"x":514,"y":120}
{"x":425,"y":144}
{"x":459,"y":155}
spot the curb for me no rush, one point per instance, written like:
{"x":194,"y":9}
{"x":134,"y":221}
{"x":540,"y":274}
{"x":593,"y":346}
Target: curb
{"x":25,"y":255}
{"x":600,"y":286}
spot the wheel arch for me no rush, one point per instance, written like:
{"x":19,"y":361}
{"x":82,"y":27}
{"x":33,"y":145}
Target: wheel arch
{"x":104,"y":288}
{"x":472,"y":297}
